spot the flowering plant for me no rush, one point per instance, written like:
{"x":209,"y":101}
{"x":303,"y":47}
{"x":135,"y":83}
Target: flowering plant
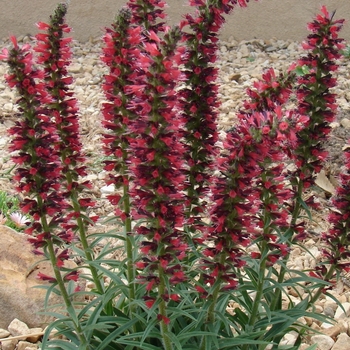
{"x":204,"y":226}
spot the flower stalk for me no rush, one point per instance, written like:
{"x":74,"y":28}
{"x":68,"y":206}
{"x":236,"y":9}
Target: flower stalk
{"x":54,"y":55}
{"x":39,"y":172}
{"x":116,"y":120}
{"x":317,"y":103}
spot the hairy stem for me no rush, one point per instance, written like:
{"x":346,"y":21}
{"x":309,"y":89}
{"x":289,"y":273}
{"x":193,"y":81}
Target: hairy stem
{"x":162,"y":311}
{"x":61,"y":285}
{"x":277,"y":301}
{"x":129,"y":249}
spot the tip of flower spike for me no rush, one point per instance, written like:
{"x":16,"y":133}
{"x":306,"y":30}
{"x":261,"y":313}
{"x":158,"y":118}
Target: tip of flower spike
{"x":61,"y":10}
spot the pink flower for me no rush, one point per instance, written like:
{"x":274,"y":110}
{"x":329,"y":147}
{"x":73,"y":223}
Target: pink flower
{"x":19,"y":219}
{"x":283,"y":126}
{"x":265,"y":129}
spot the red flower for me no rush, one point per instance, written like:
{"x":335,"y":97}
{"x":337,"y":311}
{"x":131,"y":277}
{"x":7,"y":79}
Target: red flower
{"x":47,"y":278}
{"x":149,"y":301}
{"x":165,"y":319}
{"x":174,"y":297}
{"x":72,"y":276}
{"x":255,"y":255}
{"x":283,"y":126}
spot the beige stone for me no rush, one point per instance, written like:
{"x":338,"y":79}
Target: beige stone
{"x":25,"y":345}
{"x":9,"y":344}
{"x":4,"y":333}
{"x":343,"y":311}
{"x":342,"y":343}
{"x":308,"y":320}
{"x":332,"y":304}
{"x":289,"y":338}
{"x":18,"y":277}
{"x":334,"y":331}
{"x":17,"y":327}
{"x":324,"y":342}
{"x":34,"y":334}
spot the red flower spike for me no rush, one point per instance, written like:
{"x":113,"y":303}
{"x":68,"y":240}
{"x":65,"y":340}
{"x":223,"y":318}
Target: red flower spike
{"x":152,"y":148}
{"x":35,"y":136}
{"x":336,"y":240}
{"x":62,"y":105}
{"x":323,"y":46}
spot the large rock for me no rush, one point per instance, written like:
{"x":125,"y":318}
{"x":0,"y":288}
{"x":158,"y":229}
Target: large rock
{"x":18,"y":277}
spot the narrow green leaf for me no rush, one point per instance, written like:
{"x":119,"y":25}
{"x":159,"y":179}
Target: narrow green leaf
{"x":240,"y":340}
{"x":116,"y":333}
{"x":58,"y":344}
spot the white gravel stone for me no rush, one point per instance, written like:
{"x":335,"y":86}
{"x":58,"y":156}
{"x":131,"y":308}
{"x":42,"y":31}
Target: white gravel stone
{"x":17,"y":327}
{"x":342,"y":312}
{"x":105,"y":190}
{"x":25,"y":345}
{"x":289,"y":339}
{"x":326,"y":325}
{"x":4,"y":333}
{"x":342,"y":343}
{"x":345,"y":123}
{"x":9,"y":344}
{"x":76,"y":68}
{"x":8,"y":107}
{"x":324,"y":342}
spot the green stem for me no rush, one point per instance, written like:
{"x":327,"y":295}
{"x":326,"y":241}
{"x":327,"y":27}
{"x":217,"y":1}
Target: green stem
{"x":85,"y":244}
{"x":69,"y":306}
{"x":60,"y":282}
{"x":129,"y":249}
{"x":260,"y":288}
{"x":320,"y":290}
{"x":162,"y":310}
{"x":211,"y":314}
{"x":332,"y":268}
{"x":276,"y":302}
{"x":211,"y":309}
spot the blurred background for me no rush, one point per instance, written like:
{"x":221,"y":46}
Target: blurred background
{"x":263,"y":19}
